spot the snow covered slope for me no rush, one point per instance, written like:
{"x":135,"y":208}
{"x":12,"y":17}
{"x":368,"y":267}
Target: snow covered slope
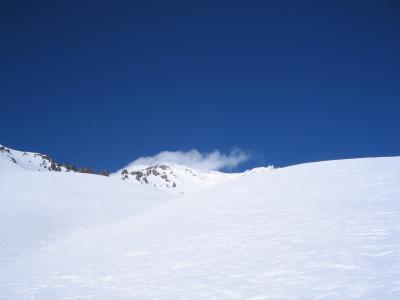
{"x":37,"y":208}
{"x":30,"y":161}
{"x":173,"y":177}
{"x":328,"y":230}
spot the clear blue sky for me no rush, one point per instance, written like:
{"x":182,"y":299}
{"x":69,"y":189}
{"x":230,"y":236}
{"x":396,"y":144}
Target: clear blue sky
{"x":100,"y":83}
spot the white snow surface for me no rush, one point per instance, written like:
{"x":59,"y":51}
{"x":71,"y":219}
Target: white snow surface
{"x":328,"y":230}
{"x":40,"y":207}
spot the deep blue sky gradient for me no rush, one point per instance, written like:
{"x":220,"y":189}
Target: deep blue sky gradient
{"x":99,"y":83}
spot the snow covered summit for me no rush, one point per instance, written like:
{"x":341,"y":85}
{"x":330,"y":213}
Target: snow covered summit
{"x":173,"y":177}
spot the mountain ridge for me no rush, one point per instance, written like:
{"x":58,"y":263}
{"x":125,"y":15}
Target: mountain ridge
{"x":175,"y":178}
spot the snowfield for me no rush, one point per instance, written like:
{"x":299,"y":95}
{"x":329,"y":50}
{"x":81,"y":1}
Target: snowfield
{"x":328,"y":230}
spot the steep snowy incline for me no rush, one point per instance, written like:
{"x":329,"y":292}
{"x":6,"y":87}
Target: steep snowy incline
{"x":328,"y":230}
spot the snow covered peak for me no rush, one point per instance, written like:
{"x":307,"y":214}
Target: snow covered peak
{"x":31,"y":161}
{"x":259,"y":170}
{"x":13,"y":160}
{"x":174,"y":177}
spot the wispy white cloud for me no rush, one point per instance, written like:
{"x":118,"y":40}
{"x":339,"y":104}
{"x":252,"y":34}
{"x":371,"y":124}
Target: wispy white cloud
{"x":215,"y":160}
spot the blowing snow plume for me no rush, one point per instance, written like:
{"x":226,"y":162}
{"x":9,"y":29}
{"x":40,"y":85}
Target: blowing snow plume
{"x":212,"y":161}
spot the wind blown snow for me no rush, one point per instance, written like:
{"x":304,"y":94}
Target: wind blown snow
{"x":212,"y":161}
